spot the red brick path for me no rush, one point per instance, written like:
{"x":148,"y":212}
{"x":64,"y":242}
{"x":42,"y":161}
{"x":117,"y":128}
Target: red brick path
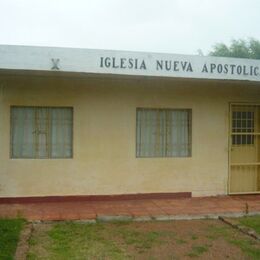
{"x":139,"y":208}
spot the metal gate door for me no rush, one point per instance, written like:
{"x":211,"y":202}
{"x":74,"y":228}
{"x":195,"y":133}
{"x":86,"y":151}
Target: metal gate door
{"x":244,"y":149}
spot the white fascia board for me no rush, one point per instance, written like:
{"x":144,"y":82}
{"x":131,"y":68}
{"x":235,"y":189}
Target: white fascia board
{"x":127,"y":63}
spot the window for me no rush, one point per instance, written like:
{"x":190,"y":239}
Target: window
{"x":163,"y":133}
{"x":41,"y":132}
{"x":243,"y":123}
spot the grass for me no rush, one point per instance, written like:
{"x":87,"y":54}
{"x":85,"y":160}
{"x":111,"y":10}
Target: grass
{"x":128,"y":240}
{"x":9,"y":236}
{"x":180,"y":241}
{"x":198,"y":250}
{"x":142,"y":239}
{"x":150,"y":240}
{"x":215,"y":232}
{"x":248,"y":247}
{"x":252,"y":222}
{"x":194,"y":237}
{"x":75,"y":241}
{"x":72,"y":241}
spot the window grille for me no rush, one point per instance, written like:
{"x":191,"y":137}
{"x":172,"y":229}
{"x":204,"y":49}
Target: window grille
{"x":243,"y":122}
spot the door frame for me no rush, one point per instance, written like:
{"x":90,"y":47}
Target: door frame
{"x":230,"y":144}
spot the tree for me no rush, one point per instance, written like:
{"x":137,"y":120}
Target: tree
{"x":238,"y":49}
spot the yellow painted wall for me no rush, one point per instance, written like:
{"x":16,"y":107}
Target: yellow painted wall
{"x":104,"y":159}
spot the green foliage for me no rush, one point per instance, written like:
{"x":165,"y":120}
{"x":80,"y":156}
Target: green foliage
{"x":9,"y":236}
{"x":238,"y":49}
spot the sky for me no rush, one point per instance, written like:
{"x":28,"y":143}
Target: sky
{"x":167,"y":26}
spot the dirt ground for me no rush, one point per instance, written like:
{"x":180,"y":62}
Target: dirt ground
{"x":203,"y":239}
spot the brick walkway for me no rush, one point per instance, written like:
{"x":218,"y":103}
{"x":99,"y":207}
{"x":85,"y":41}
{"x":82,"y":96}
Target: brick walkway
{"x":150,"y":208}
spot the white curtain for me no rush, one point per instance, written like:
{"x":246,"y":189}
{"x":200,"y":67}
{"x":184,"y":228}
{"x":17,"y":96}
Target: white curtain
{"x":163,"y":133}
{"x":41,"y":132}
{"x":61,"y":133}
{"x":23,"y":132}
